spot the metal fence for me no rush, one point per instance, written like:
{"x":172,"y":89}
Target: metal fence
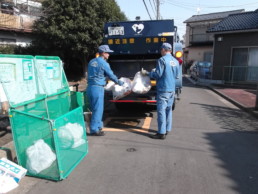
{"x":201,"y":38}
{"x":240,"y":74}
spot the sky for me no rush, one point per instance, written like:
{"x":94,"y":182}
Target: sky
{"x":180,"y":10}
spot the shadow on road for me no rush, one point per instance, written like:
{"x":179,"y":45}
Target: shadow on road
{"x":237,"y":152}
{"x":237,"y":147}
{"x":231,"y":119}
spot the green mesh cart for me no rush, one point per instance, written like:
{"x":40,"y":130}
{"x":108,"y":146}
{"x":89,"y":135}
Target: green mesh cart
{"x":42,"y":109}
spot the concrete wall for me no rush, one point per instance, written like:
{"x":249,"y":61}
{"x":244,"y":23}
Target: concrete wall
{"x":223,"y":45}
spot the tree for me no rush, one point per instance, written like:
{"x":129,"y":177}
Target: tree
{"x":72,"y":29}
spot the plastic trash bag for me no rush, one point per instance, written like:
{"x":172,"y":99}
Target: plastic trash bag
{"x":141,"y":83}
{"x":71,"y":136}
{"x":110,"y":85}
{"x":65,"y":137}
{"x":39,"y":157}
{"x":122,"y":91}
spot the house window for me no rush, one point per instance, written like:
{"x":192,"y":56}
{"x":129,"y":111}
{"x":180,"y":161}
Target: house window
{"x":244,"y":64}
{"x":245,"y":56}
{"x":7,"y":41}
{"x":253,"y":56}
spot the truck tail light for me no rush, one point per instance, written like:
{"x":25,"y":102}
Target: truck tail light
{"x":153,"y":82}
{"x":179,"y":55}
{"x":180,"y":61}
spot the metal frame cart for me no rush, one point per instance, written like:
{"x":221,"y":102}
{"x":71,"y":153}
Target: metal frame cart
{"x":41,"y":108}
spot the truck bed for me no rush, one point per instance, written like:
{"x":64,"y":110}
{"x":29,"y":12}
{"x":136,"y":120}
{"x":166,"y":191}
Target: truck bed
{"x":128,"y":68}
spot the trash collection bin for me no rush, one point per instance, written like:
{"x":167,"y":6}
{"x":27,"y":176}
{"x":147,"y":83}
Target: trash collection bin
{"x":42,"y":110}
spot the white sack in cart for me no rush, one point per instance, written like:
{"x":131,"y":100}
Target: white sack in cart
{"x":71,"y":135}
{"x":110,"y":85}
{"x":141,"y":83}
{"x":39,"y":157}
{"x":122,"y":91}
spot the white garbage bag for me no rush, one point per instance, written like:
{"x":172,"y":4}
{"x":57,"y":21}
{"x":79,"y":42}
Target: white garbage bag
{"x":39,"y":157}
{"x":122,"y":91}
{"x":110,"y":85}
{"x":71,"y":136}
{"x":65,"y":137}
{"x":141,"y":83}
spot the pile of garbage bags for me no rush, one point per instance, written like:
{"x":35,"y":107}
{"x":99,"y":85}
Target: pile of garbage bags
{"x":141,"y":84}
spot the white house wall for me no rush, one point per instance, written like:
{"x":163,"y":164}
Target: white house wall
{"x":197,"y":54}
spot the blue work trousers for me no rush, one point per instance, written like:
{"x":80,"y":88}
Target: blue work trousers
{"x":95,"y":95}
{"x":164,"y":110}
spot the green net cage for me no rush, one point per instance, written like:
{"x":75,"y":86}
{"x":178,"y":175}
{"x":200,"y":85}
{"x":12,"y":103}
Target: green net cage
{"x":47,"y":121}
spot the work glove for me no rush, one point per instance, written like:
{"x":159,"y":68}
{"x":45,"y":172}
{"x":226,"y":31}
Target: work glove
{"x":144,"y":72}
{"x":120,"y":83}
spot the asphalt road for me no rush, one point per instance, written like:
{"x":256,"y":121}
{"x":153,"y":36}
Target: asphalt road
{"x":212,"y":149}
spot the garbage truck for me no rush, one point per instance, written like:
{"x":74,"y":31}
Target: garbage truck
{"x":136,"y":45}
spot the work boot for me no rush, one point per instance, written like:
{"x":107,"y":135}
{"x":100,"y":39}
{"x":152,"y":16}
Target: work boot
{"x":158,"y":136}
{"x":99,"y":133}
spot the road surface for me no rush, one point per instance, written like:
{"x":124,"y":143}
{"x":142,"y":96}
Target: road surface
{"x":213,"y":149}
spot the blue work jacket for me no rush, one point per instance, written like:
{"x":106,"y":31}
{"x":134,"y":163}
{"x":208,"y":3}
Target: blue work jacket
{"x":98,"y":69}
{"x":166,"y":73}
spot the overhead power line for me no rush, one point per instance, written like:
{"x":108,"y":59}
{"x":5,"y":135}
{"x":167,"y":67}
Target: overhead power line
{"x":191,"y":5}
{"x":152,"y":7}
{"x":154,"y":2}
{"x":147,"y":9}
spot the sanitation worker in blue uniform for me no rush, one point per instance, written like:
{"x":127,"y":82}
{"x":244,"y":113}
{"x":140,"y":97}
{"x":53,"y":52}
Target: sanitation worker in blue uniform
{"x":166,"y":73}
{"x":98,"y":69}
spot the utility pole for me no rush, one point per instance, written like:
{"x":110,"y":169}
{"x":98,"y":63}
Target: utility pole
{"x":158,"y":13}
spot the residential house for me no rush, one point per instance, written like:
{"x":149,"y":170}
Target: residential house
{"x":236,"y":48}
{"x":16,"y":20}
{"x":198,"y":43}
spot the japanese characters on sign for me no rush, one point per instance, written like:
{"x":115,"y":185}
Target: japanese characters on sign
{"x":132,"y":40}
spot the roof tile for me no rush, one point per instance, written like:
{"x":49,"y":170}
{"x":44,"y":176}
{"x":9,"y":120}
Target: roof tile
{"x":234,"y":22}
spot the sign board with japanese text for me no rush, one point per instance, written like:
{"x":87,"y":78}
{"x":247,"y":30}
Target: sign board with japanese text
{"x":138,"y":37}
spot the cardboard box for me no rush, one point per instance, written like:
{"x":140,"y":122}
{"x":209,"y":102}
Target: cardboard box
{"x":11,"y":169}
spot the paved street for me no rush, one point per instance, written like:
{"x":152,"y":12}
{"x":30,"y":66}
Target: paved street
{"x":212,"y":149}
